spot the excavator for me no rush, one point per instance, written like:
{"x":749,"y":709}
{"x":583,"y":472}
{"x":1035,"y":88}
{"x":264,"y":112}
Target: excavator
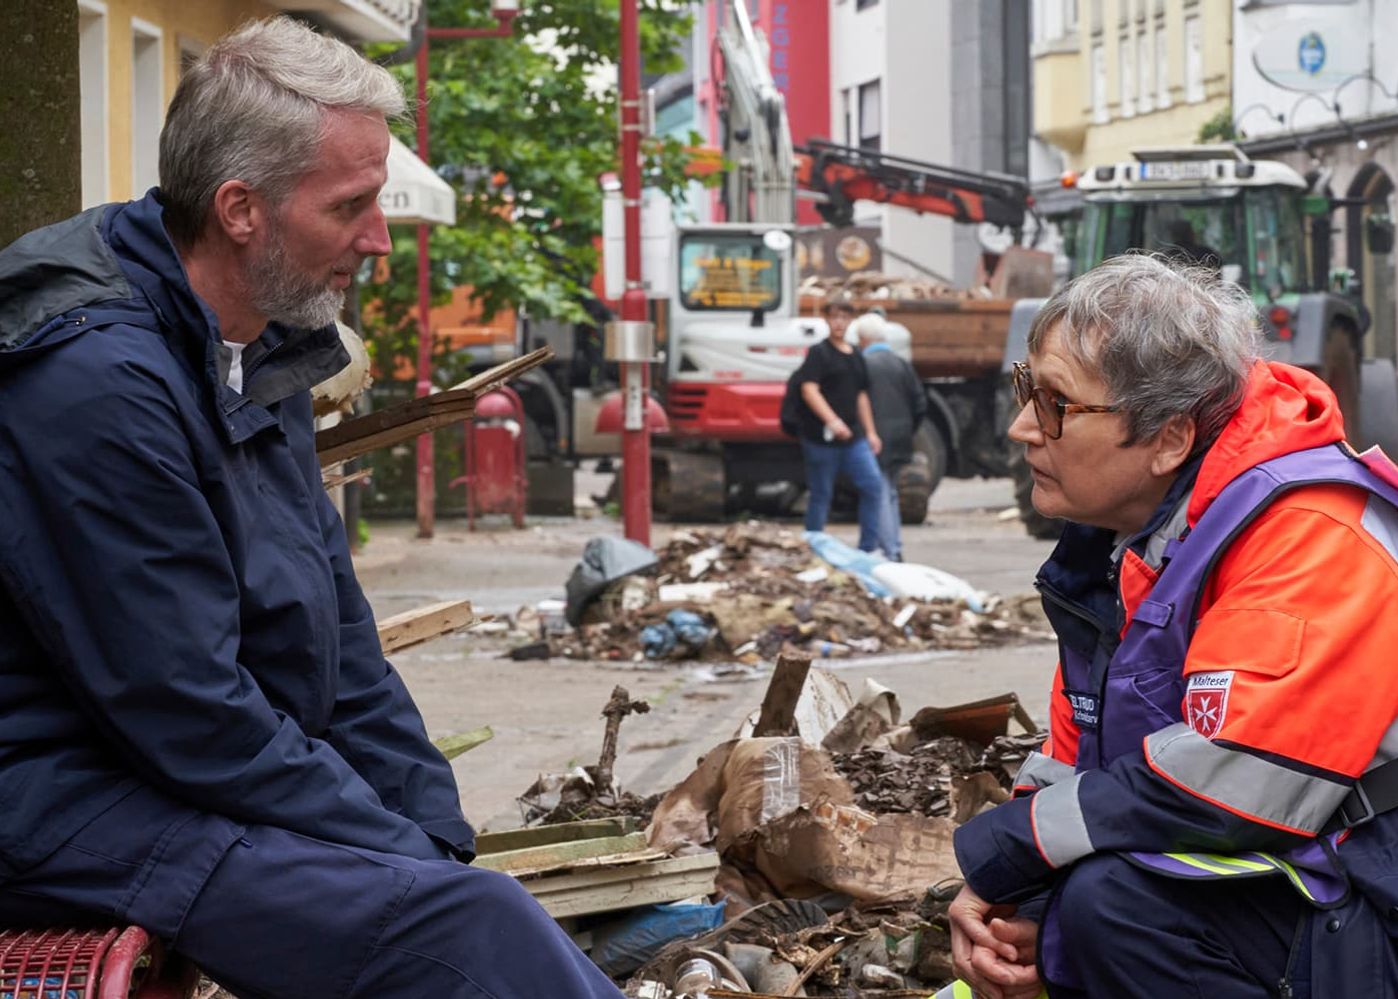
{"x":732,"y":326}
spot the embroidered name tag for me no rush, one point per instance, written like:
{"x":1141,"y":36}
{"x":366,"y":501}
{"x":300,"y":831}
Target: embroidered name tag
{"x":1206,"y":701}
{"x":1087,"y":708}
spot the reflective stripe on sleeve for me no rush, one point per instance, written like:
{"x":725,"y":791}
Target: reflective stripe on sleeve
{"x":1039,"y":770}
{"x":1241,"y":783}
{"x":1060,"y":831}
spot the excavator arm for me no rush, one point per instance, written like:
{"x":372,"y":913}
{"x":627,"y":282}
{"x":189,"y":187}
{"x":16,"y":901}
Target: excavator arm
{"x":845,"y":174}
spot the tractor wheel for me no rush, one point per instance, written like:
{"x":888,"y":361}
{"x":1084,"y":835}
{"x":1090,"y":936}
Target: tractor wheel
{"x":918,"y":479}
{"x":1035,"y":523}
{"x":1340,"y":370}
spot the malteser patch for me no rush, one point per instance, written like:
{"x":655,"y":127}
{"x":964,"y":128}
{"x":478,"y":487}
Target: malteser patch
{"x":1206,"y":701}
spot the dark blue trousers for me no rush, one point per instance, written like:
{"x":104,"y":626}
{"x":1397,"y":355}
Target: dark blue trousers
{"x":857,"y":462}
{"x":1128,"y":932}
{"x":274,"y":915}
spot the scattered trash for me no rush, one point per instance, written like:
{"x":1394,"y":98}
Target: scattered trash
{"x":767,"y":592}
{"x":604,"y":561}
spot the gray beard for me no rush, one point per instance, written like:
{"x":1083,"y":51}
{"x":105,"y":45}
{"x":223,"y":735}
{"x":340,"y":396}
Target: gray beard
{"x":284,"y":295}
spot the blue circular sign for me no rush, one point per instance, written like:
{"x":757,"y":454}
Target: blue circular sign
{"x":1310,"y":53}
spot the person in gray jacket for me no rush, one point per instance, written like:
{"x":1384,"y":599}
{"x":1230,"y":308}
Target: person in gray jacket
{"x":899,"y":405}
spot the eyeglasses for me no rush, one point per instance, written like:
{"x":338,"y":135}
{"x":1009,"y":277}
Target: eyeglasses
{"x":1048,"y":410}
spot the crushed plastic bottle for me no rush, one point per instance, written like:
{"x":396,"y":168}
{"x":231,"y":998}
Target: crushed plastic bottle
{"x":695,"y":977}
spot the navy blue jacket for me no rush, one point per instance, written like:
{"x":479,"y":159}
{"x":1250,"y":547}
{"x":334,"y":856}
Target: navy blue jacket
{"x":177,"y":602}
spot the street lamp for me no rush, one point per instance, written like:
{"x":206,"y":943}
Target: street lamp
{"x":504,"y":12}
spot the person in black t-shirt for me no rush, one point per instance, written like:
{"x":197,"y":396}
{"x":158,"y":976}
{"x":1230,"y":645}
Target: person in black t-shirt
{"x":837,"y":427}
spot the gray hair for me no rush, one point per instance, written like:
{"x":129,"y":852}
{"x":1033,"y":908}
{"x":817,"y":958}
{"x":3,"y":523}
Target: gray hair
{"x":252,"y":108}
{"x":1167,"y":339}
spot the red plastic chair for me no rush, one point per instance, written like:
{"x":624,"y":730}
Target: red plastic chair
{"x":91,"y":964}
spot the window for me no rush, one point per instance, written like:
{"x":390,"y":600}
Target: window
{"x":719,"y":271}
{"x":847,"y":110}
{"x":1193,"y":60}
{"x":1070,"y":15}
{"x":92,"y":83}
{"x":1144,"y":71}
{"x":1162,"y":65}
{"x":1126,"y":71}
{"x":870,"y":117}
{"x":1099,"y":84}
{"x":147,"y":106}
{"x":861,"y":4}
{"x":190,"y":51}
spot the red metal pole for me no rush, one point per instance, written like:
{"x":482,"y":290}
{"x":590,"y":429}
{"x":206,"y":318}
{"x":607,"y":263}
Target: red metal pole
{"x":426,"y":474}
{"x":635,"y":441}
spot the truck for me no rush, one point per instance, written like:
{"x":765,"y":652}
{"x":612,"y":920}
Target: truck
{"x":732,"y":329}
{"x":1262,"y":225}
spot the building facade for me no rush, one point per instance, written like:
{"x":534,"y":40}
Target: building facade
{"x":1312,"y":88}
{"x":133,"y":52}
{"x":1114,"y":75}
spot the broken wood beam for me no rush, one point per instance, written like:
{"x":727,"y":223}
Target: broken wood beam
{"x":618,"y":707}
{"x":406,"y":420}
{"x":393,"y":425}
{"x":402,"y":631}
{"x":778,"y":714}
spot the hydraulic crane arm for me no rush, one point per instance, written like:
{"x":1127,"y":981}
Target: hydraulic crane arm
{"x":845,"y":174}
{"x":757,"y":136}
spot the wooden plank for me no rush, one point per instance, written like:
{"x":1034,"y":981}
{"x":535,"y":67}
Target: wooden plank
{"x":393,"y":425}
{"x":778,"y":714}
{"x":402,"y":631}
{"x":452,"y":746}
{"x":561,"y":832}
{"x":555,"y":856}
{"x":485,"y":381}
{"x":609,"y":888}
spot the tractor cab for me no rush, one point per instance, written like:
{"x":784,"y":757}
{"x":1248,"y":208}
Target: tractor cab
{"x":1207,"y":205}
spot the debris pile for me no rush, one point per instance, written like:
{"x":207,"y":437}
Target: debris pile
{"x":753,"y":593}
{"x":863,"y":831}
{"x":873,"y":284}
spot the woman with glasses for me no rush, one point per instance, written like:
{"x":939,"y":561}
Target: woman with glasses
{"x":1211,"y":812}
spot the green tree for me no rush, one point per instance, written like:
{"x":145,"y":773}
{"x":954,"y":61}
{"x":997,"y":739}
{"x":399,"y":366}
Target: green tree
{"x":40,"y":169}
{"x":523,"y":127}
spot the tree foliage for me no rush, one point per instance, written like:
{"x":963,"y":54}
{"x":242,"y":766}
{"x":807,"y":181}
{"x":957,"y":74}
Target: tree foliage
{"x":523,"y":127}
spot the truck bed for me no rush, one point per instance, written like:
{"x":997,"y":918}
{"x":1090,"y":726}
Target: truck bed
{"x":951,"y":337}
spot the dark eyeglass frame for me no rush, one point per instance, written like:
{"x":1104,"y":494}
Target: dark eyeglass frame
{"x":1048,"y":410}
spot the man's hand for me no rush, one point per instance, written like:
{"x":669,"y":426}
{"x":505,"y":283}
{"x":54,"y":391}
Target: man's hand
{"x":875,"y":444}
{"x":992,"y":950}
{"x":839,"y":429}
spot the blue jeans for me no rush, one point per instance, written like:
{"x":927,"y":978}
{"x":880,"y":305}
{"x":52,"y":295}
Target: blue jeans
{"x":857,"y":462}
{"x":890,"y":523}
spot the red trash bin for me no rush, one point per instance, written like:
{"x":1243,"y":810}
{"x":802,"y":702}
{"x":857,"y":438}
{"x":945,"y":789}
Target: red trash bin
{"x":495,"y":478}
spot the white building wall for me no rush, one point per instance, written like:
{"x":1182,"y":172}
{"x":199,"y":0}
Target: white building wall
{"x":919,"y":126}
{"x":906,"y":46}
{"x":1353,"y":34}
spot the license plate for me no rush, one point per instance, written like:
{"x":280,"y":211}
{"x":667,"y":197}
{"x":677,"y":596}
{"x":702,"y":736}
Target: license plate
{"x":1177,"y":170}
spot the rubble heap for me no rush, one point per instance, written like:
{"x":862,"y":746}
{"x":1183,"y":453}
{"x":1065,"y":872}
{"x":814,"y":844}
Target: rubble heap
{"x":759,"y":592}
{"x":947,"y":776}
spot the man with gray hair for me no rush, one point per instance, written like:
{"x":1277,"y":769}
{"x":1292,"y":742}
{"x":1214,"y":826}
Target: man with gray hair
{"x":201,"y":734}
{"x":900,"y":406}
{"x":1215,"y":811}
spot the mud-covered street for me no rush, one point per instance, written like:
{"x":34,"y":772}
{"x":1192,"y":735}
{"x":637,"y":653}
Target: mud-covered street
{"x":545,"y":714}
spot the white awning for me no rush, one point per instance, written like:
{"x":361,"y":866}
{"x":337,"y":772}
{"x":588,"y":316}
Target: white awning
{"x":414,"y":193}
